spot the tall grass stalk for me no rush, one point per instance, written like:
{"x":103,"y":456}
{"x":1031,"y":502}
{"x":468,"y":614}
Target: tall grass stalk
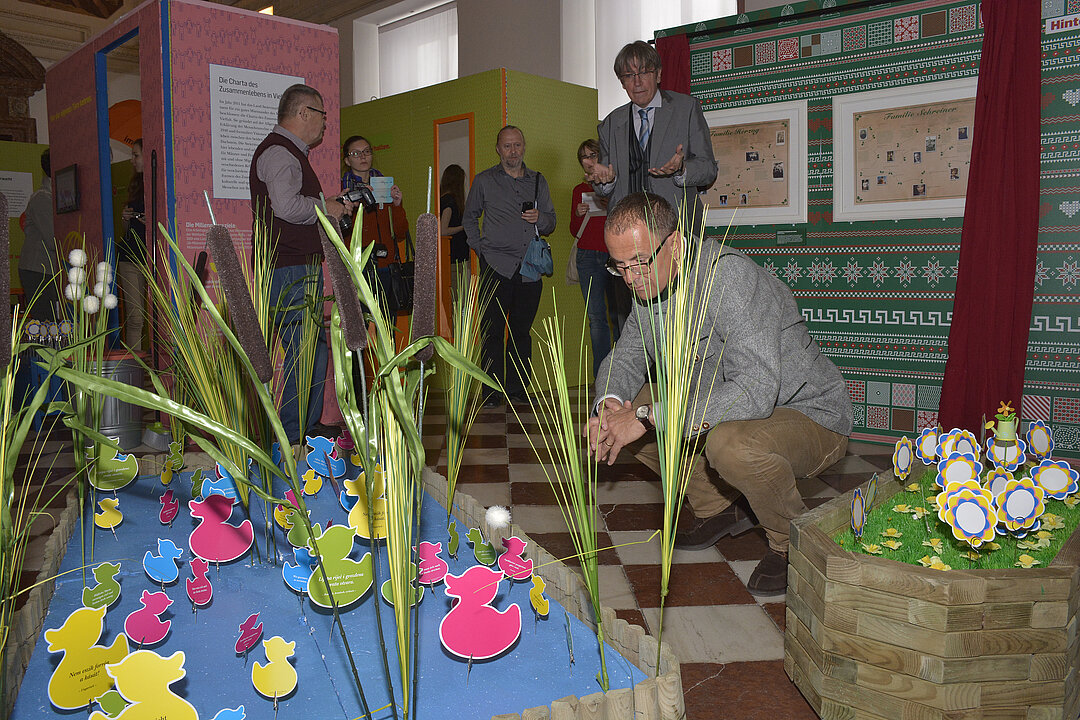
{"x":18,"y":507}
{"x":463,"y":390}
{"x":571,"y":473}
{"x":389,"y":434}
{"x":675,"y":330}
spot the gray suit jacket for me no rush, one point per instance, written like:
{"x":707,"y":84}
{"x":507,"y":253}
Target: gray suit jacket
{"x":678,"y":120}
{"x":754,"y":350}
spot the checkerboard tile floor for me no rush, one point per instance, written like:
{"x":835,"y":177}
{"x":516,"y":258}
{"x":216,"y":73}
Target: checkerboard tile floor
{"x":730,"y":644}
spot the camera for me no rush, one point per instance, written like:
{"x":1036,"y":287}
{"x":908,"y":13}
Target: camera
{"x":361,"y":195}
{"x":527,"y":205}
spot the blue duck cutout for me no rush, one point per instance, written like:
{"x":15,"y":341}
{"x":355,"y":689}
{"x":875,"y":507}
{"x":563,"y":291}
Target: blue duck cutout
{"x":162,"y":567}
{"x":297,"y":576}
{"x":347,"y":501}
{"x":226,"y":714}
{"x":321,"y":449}
{"x":223,"y":484}
{"x":275,"y":455}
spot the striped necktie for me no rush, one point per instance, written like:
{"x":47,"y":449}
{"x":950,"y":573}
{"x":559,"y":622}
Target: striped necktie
{"x":643,"y":135}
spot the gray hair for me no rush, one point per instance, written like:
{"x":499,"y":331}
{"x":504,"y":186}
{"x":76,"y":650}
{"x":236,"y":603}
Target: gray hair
{"x":295,"y":99}
{"x":638,"y":53}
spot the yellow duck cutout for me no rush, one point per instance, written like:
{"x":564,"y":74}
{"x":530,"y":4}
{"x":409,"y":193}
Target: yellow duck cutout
{"x":277,"y":678}
{"x":536,"y":596}
{"x":358,"y":516}
{"x":110,"y":516}
{"x":80,"y":677}
{"x":143,"y":678}
{"x":312,"y":482}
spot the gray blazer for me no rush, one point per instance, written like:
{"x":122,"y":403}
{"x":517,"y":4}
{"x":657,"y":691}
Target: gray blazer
{"x":678,"y":120}
{"x":754,"y":350}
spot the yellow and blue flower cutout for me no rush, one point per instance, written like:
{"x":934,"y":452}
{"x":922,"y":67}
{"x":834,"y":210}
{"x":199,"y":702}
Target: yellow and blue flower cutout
{"x":902,"y":457}
{"x":968,"y":509}
{"x":957,"y":440}
{"x":958,"y":467}
{"x":1058,"y":479}
{"x":1020,"y":505}
{"x":926,"y":446}
{"x":996,"y":479}
{"x":858,"y":513}
{"x":1040,"y":440}
{"x":1009,"y":457}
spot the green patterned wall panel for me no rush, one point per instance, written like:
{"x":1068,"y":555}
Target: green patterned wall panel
{"x":878,"y":295}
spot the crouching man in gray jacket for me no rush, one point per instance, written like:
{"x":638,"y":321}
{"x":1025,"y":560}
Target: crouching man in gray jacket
{"x":774,"y":407}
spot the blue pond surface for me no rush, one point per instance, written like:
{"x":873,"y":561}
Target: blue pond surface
{"x":534,"y":671}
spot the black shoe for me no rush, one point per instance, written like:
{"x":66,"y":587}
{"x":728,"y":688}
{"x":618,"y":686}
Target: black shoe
{"x":770,"y":575}
{"x":491,"y":401}
{"x":520,"y":398}
{"x":701,"y":533}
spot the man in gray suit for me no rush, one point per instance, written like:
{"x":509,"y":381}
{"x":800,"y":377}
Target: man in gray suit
{"x":657,"y":143}
{"x":765,"y":403}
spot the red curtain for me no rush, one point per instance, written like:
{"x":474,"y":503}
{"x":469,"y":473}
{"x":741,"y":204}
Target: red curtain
{"x":675,"y":60}
{"x":995,"y":284}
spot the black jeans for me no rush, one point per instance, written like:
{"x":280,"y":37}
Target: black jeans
{"x":507,"y":348}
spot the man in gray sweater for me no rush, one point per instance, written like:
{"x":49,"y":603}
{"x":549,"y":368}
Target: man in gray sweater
{"x":766,"y":405}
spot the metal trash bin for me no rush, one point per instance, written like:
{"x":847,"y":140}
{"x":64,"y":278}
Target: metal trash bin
{"x":120,"y":419}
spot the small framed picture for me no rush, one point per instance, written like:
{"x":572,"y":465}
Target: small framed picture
{"x":781,"y":137}
{"x":862,"y":133}
{"x":742,"y":199}
{"x":752,"y":156}
{"x":890,"y":155}
{"x":882,"y":179}
{"x":918,"y":190}
{"x":723,"y":200}
{"x":962,"y":133}
{"x":954,"y":173}
{"x":865,"y":184}
{"x":931,"y":143}
{"x":67,"y":189}
{"x":916,"y":157}
{"x":778,"y":171}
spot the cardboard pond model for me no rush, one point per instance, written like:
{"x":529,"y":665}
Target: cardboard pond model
{"x":175,"y":616}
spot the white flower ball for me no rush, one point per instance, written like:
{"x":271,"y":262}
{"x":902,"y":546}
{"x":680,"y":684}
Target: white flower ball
{"x":109,"y":301}
{"x":91,"y":304}
{"x":76,"y":275}
{"x":104,"y":272}
{"x":77,"y":258}
{"x":99,"y":289}
{"x":69,"y":292}
{"x":497,"y":517}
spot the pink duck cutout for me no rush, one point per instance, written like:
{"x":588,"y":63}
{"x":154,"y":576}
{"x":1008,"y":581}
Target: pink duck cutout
{"x":432,"y":567}
{"x":473,"y":629}
{"x":143,"y":626}
{"x":511,"y":563}
{"x":143,"y":679}
{"x":170,"y":507}
{"x":80,"y":677}
{"x":214,"y":539}
{"x":250,"y":632}
{"x":199,"y":589}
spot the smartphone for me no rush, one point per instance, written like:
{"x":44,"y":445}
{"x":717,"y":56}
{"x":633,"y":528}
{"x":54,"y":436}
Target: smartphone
{"x":527,"y":205}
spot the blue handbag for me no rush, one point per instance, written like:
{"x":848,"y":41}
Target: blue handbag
{"x":537,"y":259}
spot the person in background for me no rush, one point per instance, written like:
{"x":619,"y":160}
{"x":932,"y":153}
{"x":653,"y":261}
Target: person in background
{"x":516,"y":205}
{"x":657,"y":143}
{"x":38,"y":262}
{"x":385,"y":225}
{"x":451,"y":204}
{"x":284,"y":194}
{"x":592,"y":256}
{"x":131,"y":255}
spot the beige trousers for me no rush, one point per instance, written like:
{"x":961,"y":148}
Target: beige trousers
{"x":759,"y":459}
{"x":132,"y":284}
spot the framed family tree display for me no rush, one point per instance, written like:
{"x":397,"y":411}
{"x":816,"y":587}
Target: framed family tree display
{"x":761,"y":165}
{"x":903,"y":152}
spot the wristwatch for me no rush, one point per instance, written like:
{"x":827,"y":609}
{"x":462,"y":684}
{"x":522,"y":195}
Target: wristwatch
{"x":642,"y":414}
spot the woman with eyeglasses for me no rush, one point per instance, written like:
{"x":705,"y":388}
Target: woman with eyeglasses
{"x":384,"y":225}
{"x":587,"y":214}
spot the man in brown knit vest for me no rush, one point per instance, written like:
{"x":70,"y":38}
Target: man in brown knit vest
{"x":284,"y":194}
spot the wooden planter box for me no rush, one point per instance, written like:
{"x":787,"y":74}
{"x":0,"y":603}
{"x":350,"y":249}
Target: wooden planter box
{"x":873,"y":638}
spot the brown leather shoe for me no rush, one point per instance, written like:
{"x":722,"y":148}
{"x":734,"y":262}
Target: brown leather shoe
{"x":770,"y":575}
{"x":701,"y":533}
